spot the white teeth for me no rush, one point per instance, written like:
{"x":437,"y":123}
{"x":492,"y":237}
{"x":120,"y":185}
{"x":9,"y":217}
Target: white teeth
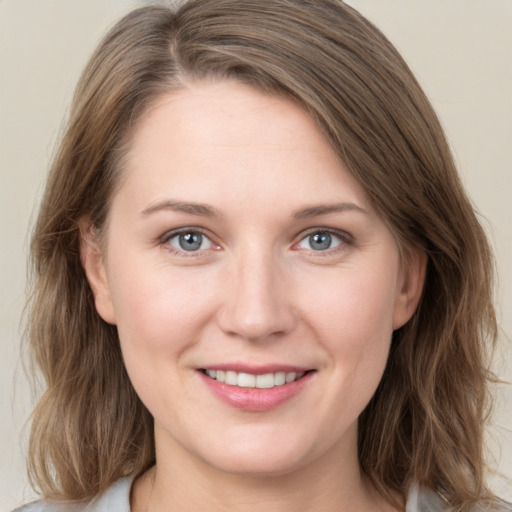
{"x":290,"y":377}
{"x":265,"y":381}
{"x":279,"y":378}
{"x":248,"y":380}
{"x":231,"y":378}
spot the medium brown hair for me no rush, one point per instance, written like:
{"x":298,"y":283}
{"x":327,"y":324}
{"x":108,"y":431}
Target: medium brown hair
{"x":426,"y":420}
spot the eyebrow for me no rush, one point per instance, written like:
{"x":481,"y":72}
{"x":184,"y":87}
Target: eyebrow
{"x":205,"y":210}
{"x":200,"y":209}
{"x":325,"y":209}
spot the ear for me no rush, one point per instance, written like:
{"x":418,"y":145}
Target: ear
{"x":413,"y":272}
{"x":92,"y":259}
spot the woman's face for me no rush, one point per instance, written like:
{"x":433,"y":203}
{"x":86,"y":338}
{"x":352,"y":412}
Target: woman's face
{"x":254,"y":288}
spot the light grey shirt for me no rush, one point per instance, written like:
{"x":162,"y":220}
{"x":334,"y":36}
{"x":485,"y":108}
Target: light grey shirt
{"x":117,"y":499}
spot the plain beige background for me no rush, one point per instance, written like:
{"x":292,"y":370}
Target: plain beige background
{"x":461,"y":51}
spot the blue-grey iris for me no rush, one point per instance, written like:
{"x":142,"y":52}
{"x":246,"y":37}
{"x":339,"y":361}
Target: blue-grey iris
{"x":190,"y":241}
{"x":320,"y":241}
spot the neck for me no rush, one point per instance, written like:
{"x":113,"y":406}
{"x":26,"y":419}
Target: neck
{"x":186,"y":484}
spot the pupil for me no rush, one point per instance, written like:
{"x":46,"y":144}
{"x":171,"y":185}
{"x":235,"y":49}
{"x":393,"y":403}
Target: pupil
{"x":191,"y":241}
{"x":320,"y":241}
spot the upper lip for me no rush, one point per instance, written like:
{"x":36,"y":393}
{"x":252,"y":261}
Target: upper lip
{"x":254,"y":369}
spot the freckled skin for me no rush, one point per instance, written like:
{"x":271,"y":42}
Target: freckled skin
{"x":256,"y":292}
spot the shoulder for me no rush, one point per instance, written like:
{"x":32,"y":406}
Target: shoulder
{"x":116,"y":497}
{"x":425,"y":500}
{"x":52,"y":506}
{"x":420,"y":499}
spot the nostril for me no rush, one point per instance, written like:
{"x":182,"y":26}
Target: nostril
{"x":255,"y":304}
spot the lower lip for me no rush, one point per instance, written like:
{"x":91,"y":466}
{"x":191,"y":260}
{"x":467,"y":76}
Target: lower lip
{"x":255,"y":399}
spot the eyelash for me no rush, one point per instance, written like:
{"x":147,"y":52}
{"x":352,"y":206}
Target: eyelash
{"x":166,"y":242}
{"x":345,"y":239}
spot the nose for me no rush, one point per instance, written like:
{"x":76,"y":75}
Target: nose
{"x":256,"y":305}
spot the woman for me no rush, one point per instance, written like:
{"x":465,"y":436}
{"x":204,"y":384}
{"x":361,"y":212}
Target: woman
{"x":255,"y":265}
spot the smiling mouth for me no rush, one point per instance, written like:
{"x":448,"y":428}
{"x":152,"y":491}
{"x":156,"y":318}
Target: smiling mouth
{"x":248,"y":380}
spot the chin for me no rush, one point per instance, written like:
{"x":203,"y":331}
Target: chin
{"x":260,"y":455}
{"x":263,"y":467}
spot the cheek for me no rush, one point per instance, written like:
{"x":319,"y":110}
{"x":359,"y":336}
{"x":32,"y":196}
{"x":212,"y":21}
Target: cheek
{"x":158,"y":310}
{"x":356,"y":307}
{"x":160,"y":314}
{"x":354,"y":323}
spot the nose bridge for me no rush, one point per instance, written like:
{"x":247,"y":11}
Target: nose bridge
{"x":256,"y":304}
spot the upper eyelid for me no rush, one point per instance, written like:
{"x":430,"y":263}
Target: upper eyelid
{"x":344,"y":235}
{"x":188,"y":229}
{"x":346,"y":241}
{"x":164,"y":242}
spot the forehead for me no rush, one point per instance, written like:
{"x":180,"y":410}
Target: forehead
{"x":213,"y":139}
{"x":228,"y":113}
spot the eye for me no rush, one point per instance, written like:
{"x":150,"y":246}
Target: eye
{"x":320,"y":241}
{"x":189,"y":241}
